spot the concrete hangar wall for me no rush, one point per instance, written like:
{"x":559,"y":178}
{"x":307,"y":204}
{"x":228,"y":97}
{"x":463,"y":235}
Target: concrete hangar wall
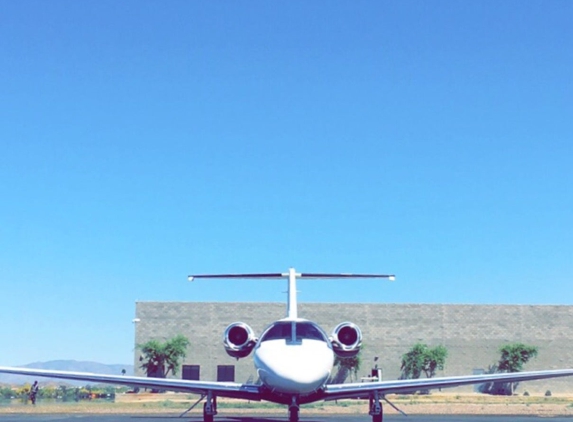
{"x":471,"y":333}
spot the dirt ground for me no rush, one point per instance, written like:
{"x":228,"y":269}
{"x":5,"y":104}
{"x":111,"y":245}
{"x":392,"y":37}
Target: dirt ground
{"x":434,"y":404}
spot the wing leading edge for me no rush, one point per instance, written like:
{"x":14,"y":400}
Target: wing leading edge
{"x":341,"y":391}
{"x":221,"y":389}
{"x":253,"y":392}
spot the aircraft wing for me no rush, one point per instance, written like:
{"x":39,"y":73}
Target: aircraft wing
{"x":355,"y":390}
{"x":221,"y":389}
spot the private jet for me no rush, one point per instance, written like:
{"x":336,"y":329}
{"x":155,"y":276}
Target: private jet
{"x":294,"y":359}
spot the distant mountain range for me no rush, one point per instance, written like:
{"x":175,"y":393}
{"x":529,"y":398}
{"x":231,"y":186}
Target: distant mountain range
{"x":65,"y":365}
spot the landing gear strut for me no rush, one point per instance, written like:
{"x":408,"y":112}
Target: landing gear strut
{"x":293,"y":410}
{"x":375,"y":407}
{"x":210,"y":407}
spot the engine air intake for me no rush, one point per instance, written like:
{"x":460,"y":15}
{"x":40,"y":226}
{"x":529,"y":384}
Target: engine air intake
{"x":346,"y":339}
{"x":239,"y":340}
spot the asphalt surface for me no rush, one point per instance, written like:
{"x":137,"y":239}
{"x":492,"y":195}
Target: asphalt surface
{"x":392,"y":418}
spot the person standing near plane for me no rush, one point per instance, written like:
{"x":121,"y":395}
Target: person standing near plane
{"x":34,"y":392}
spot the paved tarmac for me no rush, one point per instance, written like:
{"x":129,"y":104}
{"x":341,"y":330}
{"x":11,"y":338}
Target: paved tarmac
{"x":226,"y":418}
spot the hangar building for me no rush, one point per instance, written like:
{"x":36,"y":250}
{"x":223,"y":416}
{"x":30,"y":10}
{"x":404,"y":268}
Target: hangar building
{"x":472,"y":334}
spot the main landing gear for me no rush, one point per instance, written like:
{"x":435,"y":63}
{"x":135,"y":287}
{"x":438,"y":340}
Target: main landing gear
{"x":375,"y":407}
{"x":293,"y":410}
{"x":210,"y":407}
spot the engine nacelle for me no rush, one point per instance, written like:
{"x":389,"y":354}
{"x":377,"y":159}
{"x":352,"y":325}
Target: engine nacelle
{"x":239,"y":340}
{"x":346,"y":339}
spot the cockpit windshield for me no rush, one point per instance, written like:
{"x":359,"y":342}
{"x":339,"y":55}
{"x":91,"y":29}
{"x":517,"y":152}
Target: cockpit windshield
{"x":310,"y":331}
{"x":303,"y":330}
{"x":279,"y":330}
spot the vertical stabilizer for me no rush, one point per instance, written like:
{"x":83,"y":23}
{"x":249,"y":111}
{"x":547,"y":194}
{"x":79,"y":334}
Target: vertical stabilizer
{"x":291,"y":303}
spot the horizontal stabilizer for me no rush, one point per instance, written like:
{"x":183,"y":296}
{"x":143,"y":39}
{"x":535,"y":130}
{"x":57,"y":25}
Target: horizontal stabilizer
{"x":292,"y":275}
{"x":261,"y":275}
{"x":270,"y":276}
{"x":346,"y":275}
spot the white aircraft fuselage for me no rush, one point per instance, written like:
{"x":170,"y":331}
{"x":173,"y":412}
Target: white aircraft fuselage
{"x":293,"y":357}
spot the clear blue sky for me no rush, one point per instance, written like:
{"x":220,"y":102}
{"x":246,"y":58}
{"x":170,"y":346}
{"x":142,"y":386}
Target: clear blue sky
{"x":141,"y":141}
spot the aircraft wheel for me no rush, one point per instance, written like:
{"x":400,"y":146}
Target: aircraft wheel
{"x":376,"y":409}
{"x":206,"y":416}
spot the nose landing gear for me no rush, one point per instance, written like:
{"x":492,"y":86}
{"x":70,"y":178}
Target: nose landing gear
{"x":293,"y":410}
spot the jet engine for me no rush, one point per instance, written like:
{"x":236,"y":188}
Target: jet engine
{"x":346,"y":340}
{"x":239,"y":340}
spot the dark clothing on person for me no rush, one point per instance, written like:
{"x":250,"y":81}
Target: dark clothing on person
{"x":34,"y":392}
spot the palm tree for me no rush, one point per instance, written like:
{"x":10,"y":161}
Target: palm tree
{"x":159,"y":359}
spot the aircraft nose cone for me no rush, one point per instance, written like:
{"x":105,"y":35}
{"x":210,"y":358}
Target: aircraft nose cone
{"x":292,"y":368}
{"x":302,"y":375}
